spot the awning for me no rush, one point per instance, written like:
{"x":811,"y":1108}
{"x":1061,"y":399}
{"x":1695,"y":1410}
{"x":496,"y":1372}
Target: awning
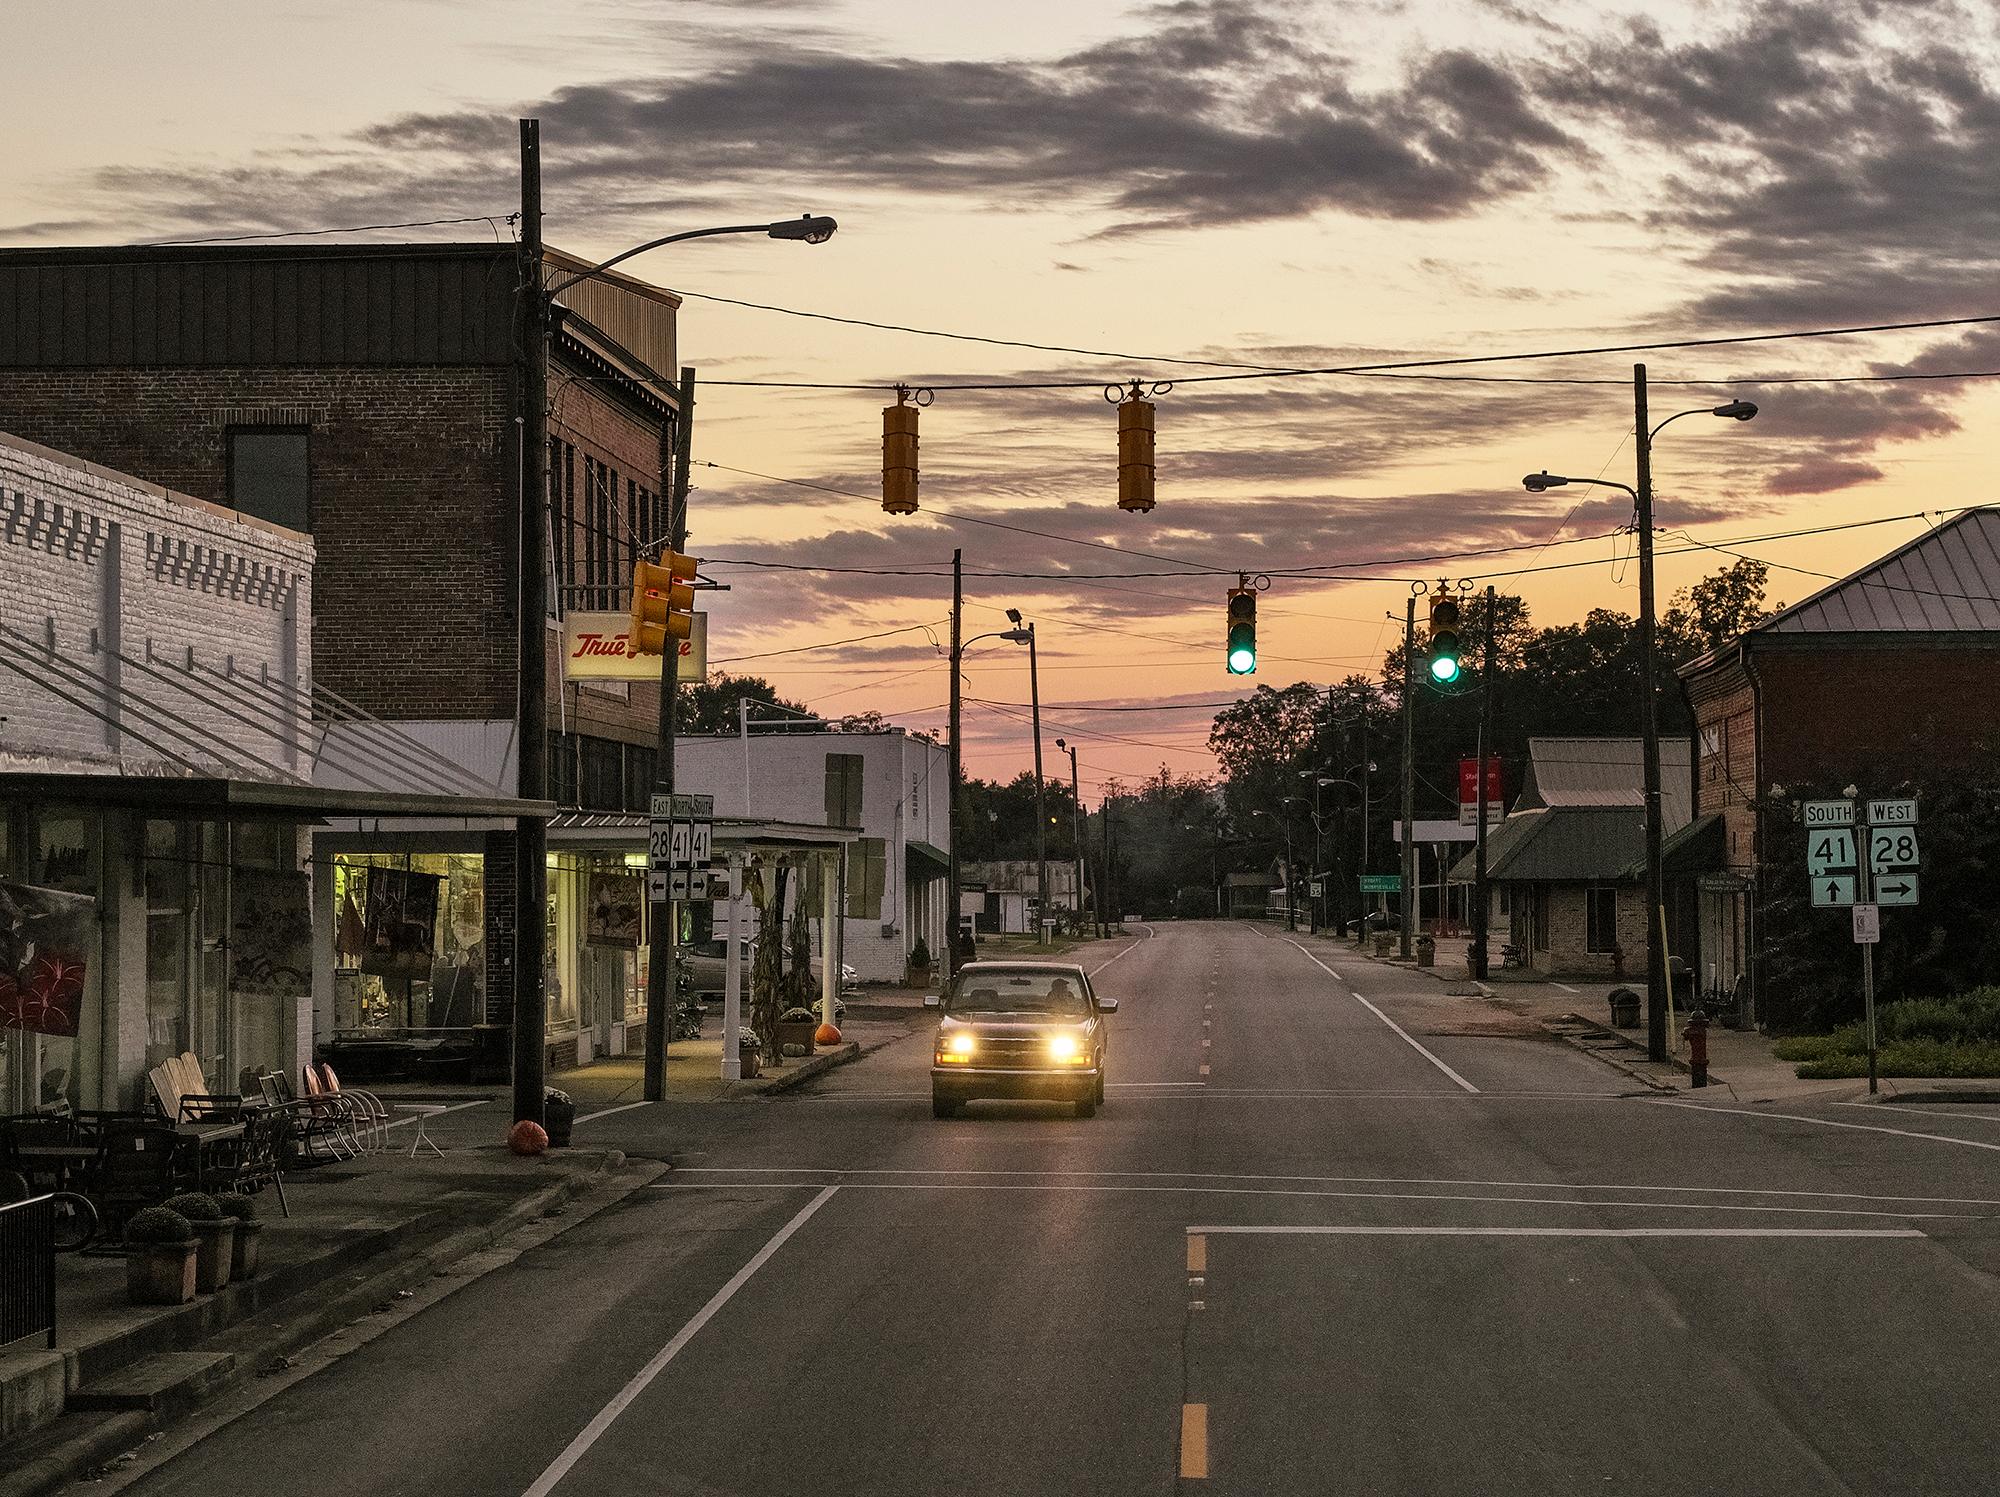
{"x":922,"y":861}
{"x":224,"y":799}
{"x":626,"y":830}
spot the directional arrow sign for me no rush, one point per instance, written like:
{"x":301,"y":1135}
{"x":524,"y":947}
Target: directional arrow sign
{"x":1896,"y":888}
{"x":1834,"y":889}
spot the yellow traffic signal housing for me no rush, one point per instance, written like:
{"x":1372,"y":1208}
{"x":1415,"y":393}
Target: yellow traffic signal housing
{"x":1135,"y":452}
{"x":899,"y":458}
{"x":662,"y":603}
{"x":1444,"y":659}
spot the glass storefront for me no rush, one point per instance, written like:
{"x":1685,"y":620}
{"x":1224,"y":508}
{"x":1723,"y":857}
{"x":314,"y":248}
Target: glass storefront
{"x":597,"y":934}
{"x":409,"y":942}
{"x":60,"y":848}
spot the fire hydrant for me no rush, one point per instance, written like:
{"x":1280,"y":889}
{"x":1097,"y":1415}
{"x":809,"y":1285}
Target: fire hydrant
{"x":1697,"y":1038}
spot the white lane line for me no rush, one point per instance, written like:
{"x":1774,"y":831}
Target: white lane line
{"x":1407,"y":1039}
{"x":1922,"y":1112}
{"x":1092,"y":972}
{"x":1682,"y":1190}
{"x":1563,"y":985}
{"x":432,"y":1117}
{"x":1807,"y":1232}
{"x":594,"y":1431}
{"x":1316,"y":1195}
{"x":1794,"y":1117}
{"x":605,"y":1112}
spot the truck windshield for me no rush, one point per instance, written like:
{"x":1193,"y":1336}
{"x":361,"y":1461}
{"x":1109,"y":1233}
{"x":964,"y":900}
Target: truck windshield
{"x":1025,"y":992}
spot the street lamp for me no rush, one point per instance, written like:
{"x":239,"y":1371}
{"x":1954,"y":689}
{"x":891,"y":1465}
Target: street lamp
{"x":1041,"y":813}
{"x":1015,"y":636}
{"x":1642,"y":499}
{"x":537,"y":313}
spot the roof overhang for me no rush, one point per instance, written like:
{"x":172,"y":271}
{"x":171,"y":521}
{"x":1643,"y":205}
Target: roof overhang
{"x":224,"y":799}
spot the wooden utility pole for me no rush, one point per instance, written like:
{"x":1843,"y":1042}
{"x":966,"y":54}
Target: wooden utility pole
{"x":1489,"y":687}
{"x":531,"y":708}
{"x":957,"y":950}
{"x":1409,"y":839}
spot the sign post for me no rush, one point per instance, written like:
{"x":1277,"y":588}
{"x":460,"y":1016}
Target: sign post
{"x":1839,"y":875}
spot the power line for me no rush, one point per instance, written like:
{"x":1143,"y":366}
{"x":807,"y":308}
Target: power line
{"x":422,"y":223}
{"x":829,"y":644}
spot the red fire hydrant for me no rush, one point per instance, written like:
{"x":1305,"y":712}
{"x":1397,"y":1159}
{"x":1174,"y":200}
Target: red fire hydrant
{"x":1697,"y":1038}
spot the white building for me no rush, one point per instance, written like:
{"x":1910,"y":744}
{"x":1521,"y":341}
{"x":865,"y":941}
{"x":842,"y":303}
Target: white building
{"x":1001,"y":897}
{"x":891,"y":787}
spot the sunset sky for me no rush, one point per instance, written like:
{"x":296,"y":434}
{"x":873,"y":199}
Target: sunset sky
{"x":1266,"y":183}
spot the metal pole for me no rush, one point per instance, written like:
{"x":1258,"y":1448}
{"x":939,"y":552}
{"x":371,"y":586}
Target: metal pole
{"x":1109,"y":894}
{"x":1041,"y":813}
{"x":665,"y":932}
{"x":1656,"y":954}
{"x":531,"y":833}
{"x":1481,"y":896}
{"x":1865,"y":884}
{"x":1409,"y":841}
{"x":1291,"y":880}
{"x":955,"y":946}
{"x":1076,"y":831}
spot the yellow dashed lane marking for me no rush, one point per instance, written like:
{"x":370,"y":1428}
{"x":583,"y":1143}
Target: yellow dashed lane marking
{"x":1194,"y":1439}
{"x":1197,"y":1253}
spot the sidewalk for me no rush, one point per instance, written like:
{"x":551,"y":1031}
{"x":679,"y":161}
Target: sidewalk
{"x":358,"y":1230}
{"x":1741,"y":1065}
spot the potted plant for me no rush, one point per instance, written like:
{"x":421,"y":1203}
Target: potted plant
{"x":749,"y":1053}
{"x":159,"y":1258}
{"x":795,"y":1031}
{"x":558,"y":1115}
{"x":1426,"y":951}
{"x":920,"y":963}
{"x":243,"y":1211}
{"x":215,"y":1238}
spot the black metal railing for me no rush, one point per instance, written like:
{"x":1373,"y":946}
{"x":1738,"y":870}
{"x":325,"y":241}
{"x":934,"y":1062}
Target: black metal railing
{"x":28,"y":1269}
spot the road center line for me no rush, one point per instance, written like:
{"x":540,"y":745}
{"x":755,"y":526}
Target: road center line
{"x":1407,"y":1039}
{"x":1194,"y":1441}
{"x":1197,"y":1253}
{"x":1808,"y":1232}
{"x":593,"y":1431}
{"x":1795,"y":1117}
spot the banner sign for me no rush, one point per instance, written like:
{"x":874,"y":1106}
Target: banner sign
{"x":399,"y":928}
{"x":46,"y":938}
{"x":1468,"y":791}
{"x":594,"y":650}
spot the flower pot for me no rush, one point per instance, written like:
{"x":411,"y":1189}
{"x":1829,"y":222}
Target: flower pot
{"x":799,"y":1033}
{"x":750,"y":1059}
{"x":160,"y":1273}
{"x":558,"y":1118}
{"x":1426,"y":952}
{"x":243,"y":1265}
{"x":214,"y":1252}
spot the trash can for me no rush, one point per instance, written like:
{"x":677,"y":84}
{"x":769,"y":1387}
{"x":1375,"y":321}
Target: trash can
{"x":1624,"y":1009}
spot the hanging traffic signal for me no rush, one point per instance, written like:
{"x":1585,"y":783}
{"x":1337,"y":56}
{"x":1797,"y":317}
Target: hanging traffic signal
{"x":1444,"y":641}
{"x":662,"y":603}
{"x":899,"y":455}
{"x":1242,"y":657}
{"x":1135,"y":451}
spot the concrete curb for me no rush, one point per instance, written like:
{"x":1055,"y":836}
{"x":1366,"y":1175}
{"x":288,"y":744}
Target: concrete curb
{"x":1987,"y":1094}
{"x":791,"y":1076}
{"x":67,"y":1458}
{"x":1597,"y":1052}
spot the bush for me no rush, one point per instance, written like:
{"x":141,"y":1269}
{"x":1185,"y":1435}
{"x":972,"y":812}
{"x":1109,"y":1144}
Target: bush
{"x":1907,"y":1058}
{"x":241,"y":1207}
{"x":195,"y":1207}
{"x":158,"y":1224}
{"x":920,"y":953}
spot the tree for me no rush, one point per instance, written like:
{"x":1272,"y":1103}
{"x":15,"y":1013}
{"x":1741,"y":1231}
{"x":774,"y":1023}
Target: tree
{"x":1713,"y":611}
{"x":709,"y":707}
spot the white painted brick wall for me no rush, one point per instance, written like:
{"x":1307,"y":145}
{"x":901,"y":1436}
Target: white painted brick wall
{"x":97,"y":565}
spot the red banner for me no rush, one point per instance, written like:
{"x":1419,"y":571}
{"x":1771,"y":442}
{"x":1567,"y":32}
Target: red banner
{"x":1468,"y":788}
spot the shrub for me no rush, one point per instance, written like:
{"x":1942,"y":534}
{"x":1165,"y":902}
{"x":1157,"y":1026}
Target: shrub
{"x":1907,"y":1058}
{"x":195,"y":1206}
{"x":241,"y":1207}
{"x":920,"y":953}
{"x":158,"y":1224}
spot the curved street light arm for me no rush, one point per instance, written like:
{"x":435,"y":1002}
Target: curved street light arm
{"x":652,"y":244}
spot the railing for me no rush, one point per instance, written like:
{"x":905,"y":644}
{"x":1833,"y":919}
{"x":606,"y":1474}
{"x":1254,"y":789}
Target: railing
{"x":28,"y":1269}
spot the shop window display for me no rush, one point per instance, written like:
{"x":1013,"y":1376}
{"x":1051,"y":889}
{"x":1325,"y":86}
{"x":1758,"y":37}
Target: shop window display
{"x":409,"y":942}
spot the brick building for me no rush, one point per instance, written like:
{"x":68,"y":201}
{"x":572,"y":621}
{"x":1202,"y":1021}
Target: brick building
{"x":1887,"y":680}
{"x":370,"y":396}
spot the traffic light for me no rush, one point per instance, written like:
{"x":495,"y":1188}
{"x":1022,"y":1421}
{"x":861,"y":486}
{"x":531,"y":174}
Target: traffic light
{"x":1135,"y":452}
{"x":662,"y":603}
{"x":899,"y":456}
{"x":1242,"y":660}
{"x":1444,"y":641}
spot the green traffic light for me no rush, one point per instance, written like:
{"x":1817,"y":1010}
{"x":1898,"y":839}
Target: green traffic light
{"x":1444,"y":669}
{"x":1242,"y":660}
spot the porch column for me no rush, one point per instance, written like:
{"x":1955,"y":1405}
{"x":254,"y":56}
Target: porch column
{"x":829,"y":948}
{"x":732,"y":975}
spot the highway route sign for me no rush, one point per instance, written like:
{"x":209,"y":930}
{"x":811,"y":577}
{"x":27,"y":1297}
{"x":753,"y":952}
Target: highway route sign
{"x":1833,"y":889}
{"x":1892,"y":849}
{"x":1867,"y":925}
{"x":1830,"y":851}
{"x":1824,"y":813}
{"x":1896,"y":888}
{"x":1892,"y":812}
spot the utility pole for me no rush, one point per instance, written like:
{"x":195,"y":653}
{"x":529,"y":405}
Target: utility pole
{"x":1075,"y":825}
{"x":531,"y":706}
{"x":1041,"y":812}
{"x":1108,"y":893}
{"x":1656,"y":951}
{"x":1489,"y":685}
{"x":1409,"y":840}
{"x":955,"y":953}
{"x":660,"y":962}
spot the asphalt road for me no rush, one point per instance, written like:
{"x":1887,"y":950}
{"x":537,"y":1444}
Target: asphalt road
{"x":1333,"y":1231}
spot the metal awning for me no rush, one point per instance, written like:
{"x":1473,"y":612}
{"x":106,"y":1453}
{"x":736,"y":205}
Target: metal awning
{"x":224,"y":798}
{"x":921,"y":860}
{"x":626,"y":831}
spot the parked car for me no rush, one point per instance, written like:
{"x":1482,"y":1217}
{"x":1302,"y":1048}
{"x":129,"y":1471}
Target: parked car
{"x":706,"y":965}
{"x":1026,"y":1030}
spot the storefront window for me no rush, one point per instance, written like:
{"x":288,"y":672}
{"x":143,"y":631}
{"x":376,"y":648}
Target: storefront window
{"x":409,"y":941}
{"x":50,"y":1052}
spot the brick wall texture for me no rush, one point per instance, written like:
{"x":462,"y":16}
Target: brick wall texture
{"x":120,"y":599}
